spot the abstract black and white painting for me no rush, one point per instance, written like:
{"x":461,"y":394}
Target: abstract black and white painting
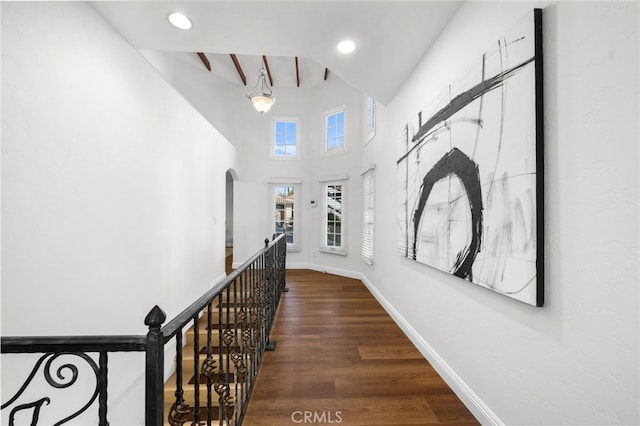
{"x":471,"y":176}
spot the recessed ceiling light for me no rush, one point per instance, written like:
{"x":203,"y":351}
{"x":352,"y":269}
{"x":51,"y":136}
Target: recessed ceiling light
{"x":346,"y":46}
{"x":178,"y":20}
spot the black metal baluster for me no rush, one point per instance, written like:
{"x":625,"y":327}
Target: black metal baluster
{"x":245,"y":330}
{"x":252,"y":302}
{"x":265,"y":304}
{"x":283,"y":264}
{"x":179,"y":410}
{"x":179,"y":394}
{"x":254,"y":318}
{"x":270,"y":298}
{"x":231,"y":371}
{"x":246,"y":326}
{"x":219,"y":389}
{"x":227,"y":347}
{"x":210,"y":378}
{"x":255,"y":315}
{"x":236,"y":360}
{"x":261,"y":306}
{"x":242,"y":344}
{"x":102,"y":388}
{"x":196,"y":370}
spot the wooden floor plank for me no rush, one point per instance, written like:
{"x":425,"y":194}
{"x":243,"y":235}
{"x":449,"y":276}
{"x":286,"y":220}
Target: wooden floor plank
{"x":341,"y":359}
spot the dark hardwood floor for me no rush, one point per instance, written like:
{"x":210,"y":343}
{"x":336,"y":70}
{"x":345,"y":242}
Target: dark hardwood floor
{"x":340,"y":359}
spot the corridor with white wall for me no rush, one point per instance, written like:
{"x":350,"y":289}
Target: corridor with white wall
{"x":115,"y":151}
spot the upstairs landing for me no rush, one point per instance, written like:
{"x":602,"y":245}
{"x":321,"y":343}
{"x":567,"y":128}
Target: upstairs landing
{"x":341,"y":359}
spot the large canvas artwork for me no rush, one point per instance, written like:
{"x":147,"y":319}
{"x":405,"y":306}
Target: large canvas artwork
{"x":470,"y":173}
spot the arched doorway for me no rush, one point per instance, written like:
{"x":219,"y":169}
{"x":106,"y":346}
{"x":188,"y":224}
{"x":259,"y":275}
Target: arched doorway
{"x":231,"y":177}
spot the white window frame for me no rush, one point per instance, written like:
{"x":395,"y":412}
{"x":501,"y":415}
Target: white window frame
{"x":326,"y":115}
{"x":324,"y":184}
{"x":296,"y":184}
{"x":272,"y":138}
{"x":367,"y":220}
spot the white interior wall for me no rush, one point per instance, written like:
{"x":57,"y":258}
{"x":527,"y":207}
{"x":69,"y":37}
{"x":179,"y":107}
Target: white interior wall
{"x":324,"y":98}
{"x":112,"y":183}
{"x":222,"y":103}
{"x":112,"y":188}
{"x":227,"y":108}
{"x":575,"y":361}
{"x":309,"y":106}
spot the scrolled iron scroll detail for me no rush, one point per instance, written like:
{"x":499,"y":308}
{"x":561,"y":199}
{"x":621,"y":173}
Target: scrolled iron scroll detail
{"x":179,"y":413}
{"x":242,"y":316}
{"x":36,"y":405}
{"x":208,"y":369}
{"x":248,"y":341}
{"x":60,"y":381}
{"x":227,"y":402}
{"x":228,"y":337}
{"x":238,"y":361}
{"x":61,"y":385}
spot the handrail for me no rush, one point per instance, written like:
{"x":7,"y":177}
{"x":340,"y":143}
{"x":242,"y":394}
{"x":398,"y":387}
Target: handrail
{"x":244,"y":305}
{"x":171,"y":328}
{"x":246,"y":299}
{"x":41,"y":344}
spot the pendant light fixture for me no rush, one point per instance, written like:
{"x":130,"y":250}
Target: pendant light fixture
{"x":261,"y":94}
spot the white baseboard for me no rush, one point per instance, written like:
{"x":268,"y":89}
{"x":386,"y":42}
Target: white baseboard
{"x":468,"y":397}
{"x":326,"y":269}
{"x":304,"y":266}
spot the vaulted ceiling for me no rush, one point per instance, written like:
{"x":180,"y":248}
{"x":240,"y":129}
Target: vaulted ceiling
{"x":297,"y":38}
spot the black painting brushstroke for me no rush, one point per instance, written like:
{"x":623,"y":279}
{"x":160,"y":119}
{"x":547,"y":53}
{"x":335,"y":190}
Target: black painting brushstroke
{"x":441,"y":120}
{"x":503,"y":99}
{"x":464,"y":99}
{"x":455,"y":163}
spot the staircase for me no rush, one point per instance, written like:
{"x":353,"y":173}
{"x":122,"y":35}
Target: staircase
{"x":228,"y":358}
{"x":225,"y":333}
{"x":188,"y":375}
{"x":224,"y":341}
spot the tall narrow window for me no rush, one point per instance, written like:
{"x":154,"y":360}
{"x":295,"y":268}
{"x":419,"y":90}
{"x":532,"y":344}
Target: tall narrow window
{"x":334,"y":225}
{"x":334,"y":139}
{"x":285,"y":139}
{"x":285,"y":218}
{"x":367,"y":182}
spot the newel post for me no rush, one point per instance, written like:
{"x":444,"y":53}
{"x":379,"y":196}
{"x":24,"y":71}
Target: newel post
{"x":154,"y":377}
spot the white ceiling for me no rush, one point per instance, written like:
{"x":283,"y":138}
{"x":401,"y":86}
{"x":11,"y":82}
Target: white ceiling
{"x":391,"y":36}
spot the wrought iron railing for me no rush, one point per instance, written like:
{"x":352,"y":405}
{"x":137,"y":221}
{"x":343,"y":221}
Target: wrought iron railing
{"x":229,"y":327}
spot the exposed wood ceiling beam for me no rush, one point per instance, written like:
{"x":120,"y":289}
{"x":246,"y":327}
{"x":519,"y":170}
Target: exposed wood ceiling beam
{"x":266,"y":66}
{"x":297,"y":72}
{"x":204,"y":60}
{"x":326,"y":74}
{"x":239,"y":68}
